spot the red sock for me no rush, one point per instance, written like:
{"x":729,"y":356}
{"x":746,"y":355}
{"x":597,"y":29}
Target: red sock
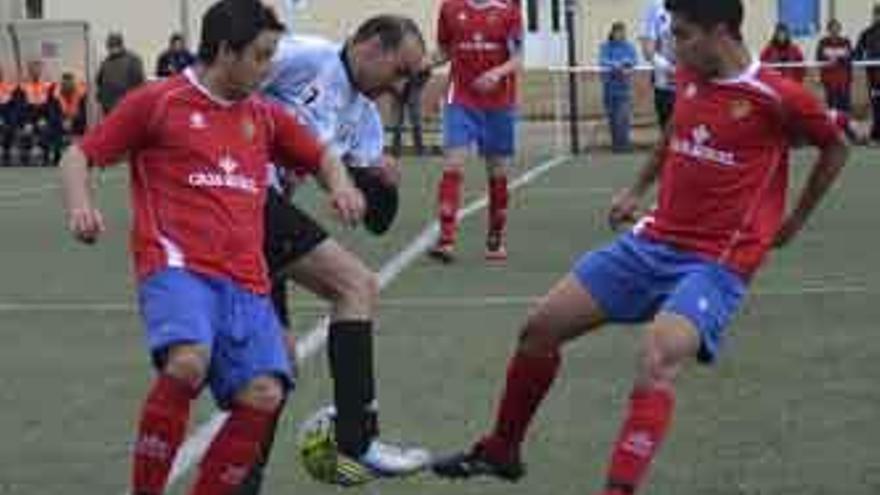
{"x":234,"y":451}
{"x":497,"y":204}
{"x":648,"y":418}
{"x":449,"y":200}
{"x":528,"y":380}
{"x":164,"y":417}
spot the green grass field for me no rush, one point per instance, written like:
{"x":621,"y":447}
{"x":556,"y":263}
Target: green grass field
{"x":792,"y":408}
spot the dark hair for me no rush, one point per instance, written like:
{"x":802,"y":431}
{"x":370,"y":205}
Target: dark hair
{"x":234,"y":24}
{"x":176,"y":37}
{"x":115,"y":40}
{"x":391,"y":30}
{"x":614,"y":27}
{"x":708,"y":14}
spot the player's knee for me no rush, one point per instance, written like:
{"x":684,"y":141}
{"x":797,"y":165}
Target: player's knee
{"x":359,"y":287}
{"x":660,"y":358}
{"x":535,"y":338}
{"x":266,"y":393}
{"x":188,"y":364}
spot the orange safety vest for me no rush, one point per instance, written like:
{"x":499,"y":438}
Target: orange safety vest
{"x":70,"y":104}
{"x":36,"y":93}
{"x":6,"y":92}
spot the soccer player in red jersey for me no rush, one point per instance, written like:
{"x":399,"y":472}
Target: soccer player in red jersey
{"x":200,"y":145}
{"x":483,"y":40}
{"x":722,"y":173}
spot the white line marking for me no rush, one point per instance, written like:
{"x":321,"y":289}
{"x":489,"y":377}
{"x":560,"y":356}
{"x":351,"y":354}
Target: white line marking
{"x":18,"y":197}
{"x":311,"y":340}
{"x":194,"y":447}
{"x":27,"y":191}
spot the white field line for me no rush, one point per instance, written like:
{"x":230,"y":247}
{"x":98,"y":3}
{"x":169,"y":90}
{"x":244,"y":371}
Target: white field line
{"x":15,"y":196}
{"x":194,"y":447}
{"x":313,"y":339}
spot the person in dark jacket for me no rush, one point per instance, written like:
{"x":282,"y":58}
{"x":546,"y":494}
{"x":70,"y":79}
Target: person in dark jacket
{"x":34,"y":128}
{"x":120,"y":72}
{"x":11,"y":107}
{"x":868,"y":49}
{"x":174,"y":59}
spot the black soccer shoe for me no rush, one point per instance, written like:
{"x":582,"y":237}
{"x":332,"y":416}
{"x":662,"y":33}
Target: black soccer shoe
{"x":475,"y":462}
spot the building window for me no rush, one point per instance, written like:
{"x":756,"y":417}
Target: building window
{"x":801,"y":16}
{"x":33,"y":9}
{"x":532,"y":15}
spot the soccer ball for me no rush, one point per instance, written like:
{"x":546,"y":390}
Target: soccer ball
{"x":317,"y":445}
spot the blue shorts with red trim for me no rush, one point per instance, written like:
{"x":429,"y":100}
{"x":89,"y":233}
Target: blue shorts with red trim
{"x":493,"y":132}
{"x":240,"y":328}
{"x":634,"y":278}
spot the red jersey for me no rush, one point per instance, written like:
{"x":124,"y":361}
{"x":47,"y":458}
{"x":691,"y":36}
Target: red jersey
{"x":837,"y":76}
{"x":479,"y":35}
{"x":199,"y":173}
{"x":722,"y":189}
{"x":789,"y":53}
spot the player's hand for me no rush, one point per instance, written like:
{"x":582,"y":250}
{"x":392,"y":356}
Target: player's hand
{"x":389,"y":171}
{"x":624,"y":209}
{"x":349,"y":204}
{"x":787,"y":232}
{"x":86,"y":224}
{"x":487,"y":81}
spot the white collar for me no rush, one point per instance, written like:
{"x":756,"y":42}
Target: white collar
{"x":193,"y":79}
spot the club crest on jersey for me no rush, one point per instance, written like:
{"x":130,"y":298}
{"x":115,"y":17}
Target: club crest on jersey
{"x":697,"y":146}
{"x":740,"y":109}
{"x":228,"y":179}
{"x":197,"y":121}
{"x":248,"y":129}
{"x":462,"y":17}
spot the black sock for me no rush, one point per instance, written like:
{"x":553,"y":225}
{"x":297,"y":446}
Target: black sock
{"x":350,"y":351}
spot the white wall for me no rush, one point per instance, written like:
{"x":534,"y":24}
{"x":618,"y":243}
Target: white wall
{"x":148,"y":23}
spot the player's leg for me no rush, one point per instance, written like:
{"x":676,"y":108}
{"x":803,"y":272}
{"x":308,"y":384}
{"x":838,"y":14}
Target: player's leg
{"x":459,"y":134}
{"x":874,"y":92}
{"x":611,"y":284}
{"x":250,"y":376}
{"x":498,"y":147}
{"x":664,"y":103}
{"x":338,"y":276}
{"x":177,"y":311}
{"x":690,"y":325}
{"x":567,"y":311}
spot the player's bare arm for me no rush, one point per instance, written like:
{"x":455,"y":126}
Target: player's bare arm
{"x":828,"y":166}
{"x":345,"y":199}
{"x":495,"y":75}
{"x":84,"y":221}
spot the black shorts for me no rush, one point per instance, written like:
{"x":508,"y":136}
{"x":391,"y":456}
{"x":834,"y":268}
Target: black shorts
{"x":290,"y":233}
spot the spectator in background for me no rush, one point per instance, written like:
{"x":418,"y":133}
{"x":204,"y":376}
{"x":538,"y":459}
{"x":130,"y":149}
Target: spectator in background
{"x":68,"y":114}
{"x":618,"y":56}
{"x":837,"y":51}
{"x":175,"y":58}
{"x":121,"y":71}
{"x":868,"y":48}
{"x":34,"y":127}
{"x":782,"y":50}
{"x":11,"y":99}
{"x":409,"y":102}
{"x":658,"y":48}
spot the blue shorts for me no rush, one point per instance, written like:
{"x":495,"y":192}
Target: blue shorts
{"x":239,"y":327}
{"x":633,"y":279}
{"x":492,"y":131}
